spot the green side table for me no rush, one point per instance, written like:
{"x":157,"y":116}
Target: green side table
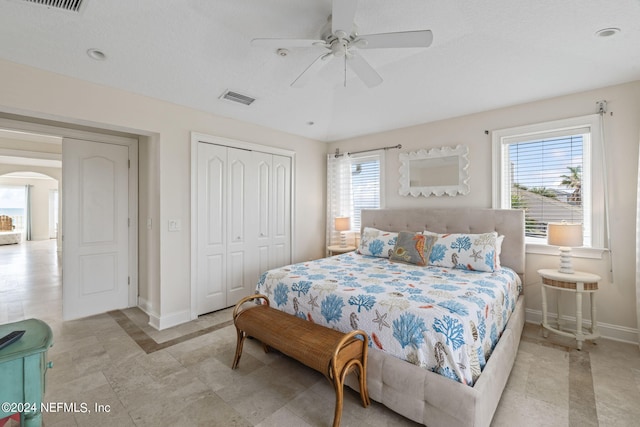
{"x":23,"y":366}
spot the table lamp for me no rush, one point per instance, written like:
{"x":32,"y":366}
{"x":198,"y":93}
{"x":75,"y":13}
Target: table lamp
{"x":342,"y":224}
{"x":566,"y":236}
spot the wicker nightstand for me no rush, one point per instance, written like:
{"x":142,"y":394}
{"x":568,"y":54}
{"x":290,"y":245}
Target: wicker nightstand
{"x":579,"y":283}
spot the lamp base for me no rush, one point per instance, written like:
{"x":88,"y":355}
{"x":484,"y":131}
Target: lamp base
{"x":343,"y":240}
{"x":565,"y":261}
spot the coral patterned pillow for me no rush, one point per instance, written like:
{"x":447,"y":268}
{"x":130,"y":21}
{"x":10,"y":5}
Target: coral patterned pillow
{"x":465,"y":251}
{"x":377,"y":243}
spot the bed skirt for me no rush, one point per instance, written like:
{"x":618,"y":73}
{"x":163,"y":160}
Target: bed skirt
{"x":434,"y":400}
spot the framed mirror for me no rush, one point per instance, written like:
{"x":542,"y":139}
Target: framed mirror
{"x":437,"y":172}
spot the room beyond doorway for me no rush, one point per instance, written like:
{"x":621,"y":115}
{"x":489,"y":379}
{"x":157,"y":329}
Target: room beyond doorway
{"x":30,"y":281}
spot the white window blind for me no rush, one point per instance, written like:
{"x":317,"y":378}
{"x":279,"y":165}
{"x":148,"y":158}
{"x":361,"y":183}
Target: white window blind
{"x":365,"y":186}
{"x":547,"y":170}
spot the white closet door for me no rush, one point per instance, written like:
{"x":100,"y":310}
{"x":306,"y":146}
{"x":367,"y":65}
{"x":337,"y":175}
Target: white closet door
{"x":263,"y":236}
{"x":212,"y":236}
{"x":243,"y":222}
{"x":240,"y":225}
{"x":281,"y":212}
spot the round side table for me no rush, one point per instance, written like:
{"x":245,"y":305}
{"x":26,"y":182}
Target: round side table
{"x":579,"y":283}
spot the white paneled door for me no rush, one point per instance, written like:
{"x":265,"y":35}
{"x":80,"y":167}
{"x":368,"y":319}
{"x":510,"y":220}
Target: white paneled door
{"x":243,"y":222}
{"x":281,"y":212}
{"x":95,"y":180}
{"x":240,"y":224}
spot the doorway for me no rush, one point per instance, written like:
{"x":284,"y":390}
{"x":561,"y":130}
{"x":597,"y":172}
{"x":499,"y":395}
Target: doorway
{"x":29,"y":199}
{"x":25,"y":145}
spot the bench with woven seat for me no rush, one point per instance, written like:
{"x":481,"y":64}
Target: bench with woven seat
{"x":330,"y":352}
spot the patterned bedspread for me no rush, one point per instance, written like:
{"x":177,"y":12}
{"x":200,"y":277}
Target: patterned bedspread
{"x":444,"y":320}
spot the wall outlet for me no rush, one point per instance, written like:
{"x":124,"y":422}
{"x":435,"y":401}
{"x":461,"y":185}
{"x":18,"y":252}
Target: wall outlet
{"x":149,"y":223}
{"x":175,"y":225}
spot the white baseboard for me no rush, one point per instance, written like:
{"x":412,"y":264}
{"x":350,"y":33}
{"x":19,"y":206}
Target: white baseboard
{"x":169,"y":320}
{"x":607,"y":330}
{"x":145,"y":305}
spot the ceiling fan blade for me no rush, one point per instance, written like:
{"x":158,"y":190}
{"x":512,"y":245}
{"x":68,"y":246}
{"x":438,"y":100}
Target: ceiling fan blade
{"x":422,"y":38}
{"x":311,"y":71}
{"x":342,"y":15}
{"x":363,"y":69}
{"x":278,"y":43}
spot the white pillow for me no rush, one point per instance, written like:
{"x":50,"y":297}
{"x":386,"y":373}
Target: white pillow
{"x":466,"y":251}
{"x":499,"y":241}
{"x":377,"y":243}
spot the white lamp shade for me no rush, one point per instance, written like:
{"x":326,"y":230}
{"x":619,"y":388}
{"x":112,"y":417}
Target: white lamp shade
{"x":343,"y":223}
{"x":564,"y":234}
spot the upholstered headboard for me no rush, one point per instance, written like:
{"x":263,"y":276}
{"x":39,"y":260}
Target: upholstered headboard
{"x":507,"y":222}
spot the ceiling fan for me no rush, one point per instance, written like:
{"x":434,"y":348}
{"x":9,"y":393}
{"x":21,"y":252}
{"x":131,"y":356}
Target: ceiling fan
{"x":340,"y":38}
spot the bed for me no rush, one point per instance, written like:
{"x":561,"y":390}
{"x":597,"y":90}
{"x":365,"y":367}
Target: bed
{"x":409,"y":311}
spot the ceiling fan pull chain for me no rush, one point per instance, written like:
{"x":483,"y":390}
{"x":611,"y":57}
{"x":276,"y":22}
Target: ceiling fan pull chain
{"x":345,"y":71}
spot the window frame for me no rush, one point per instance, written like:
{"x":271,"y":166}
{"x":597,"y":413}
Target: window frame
{"x":592,"y":153}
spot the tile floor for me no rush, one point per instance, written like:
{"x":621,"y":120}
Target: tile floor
{"x":182,"y":376}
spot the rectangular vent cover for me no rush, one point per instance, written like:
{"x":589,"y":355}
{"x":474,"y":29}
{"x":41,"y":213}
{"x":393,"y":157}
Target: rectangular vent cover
{"x":237,"y":97}
{"x":68,"y":5}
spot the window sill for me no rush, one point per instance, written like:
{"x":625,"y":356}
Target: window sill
{"x":541,"y":249}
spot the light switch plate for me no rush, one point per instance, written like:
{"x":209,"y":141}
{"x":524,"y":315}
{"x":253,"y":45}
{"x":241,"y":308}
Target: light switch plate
{"x":175,"y":225}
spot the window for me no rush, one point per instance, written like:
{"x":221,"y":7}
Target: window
{"x":365,"y":186}
{"x":548,"y":170}
{"x":12,"y":203}
{"x":354,"y":182}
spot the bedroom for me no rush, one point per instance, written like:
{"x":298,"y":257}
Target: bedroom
{"x":165,"y":267}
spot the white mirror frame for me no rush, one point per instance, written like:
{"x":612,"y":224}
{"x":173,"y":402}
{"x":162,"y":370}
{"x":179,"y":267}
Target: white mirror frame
{"x":461,"y":151}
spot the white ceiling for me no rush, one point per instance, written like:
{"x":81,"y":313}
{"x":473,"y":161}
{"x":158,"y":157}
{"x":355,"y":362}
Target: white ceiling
{"x":485,"y":55}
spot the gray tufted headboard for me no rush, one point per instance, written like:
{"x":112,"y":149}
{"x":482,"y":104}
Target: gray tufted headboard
{"x":508,"y":222}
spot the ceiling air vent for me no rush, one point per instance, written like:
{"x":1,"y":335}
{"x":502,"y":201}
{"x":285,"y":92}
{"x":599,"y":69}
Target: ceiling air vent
{"x":68,"y":5}
{"x":237,"y":97}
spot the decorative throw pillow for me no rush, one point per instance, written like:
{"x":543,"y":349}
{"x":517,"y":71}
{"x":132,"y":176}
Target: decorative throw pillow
{"x":413,"y":248}
{"x":377,"y":243}
{"x":465,"y":251}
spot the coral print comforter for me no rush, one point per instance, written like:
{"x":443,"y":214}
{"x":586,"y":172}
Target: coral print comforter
{"x":444,"y":320}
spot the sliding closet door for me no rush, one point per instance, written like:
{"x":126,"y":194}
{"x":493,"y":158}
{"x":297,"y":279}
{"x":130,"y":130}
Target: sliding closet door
{"x":212,"y":236}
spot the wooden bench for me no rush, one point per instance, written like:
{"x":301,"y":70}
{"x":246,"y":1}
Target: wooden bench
{"x":326,"y":350}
